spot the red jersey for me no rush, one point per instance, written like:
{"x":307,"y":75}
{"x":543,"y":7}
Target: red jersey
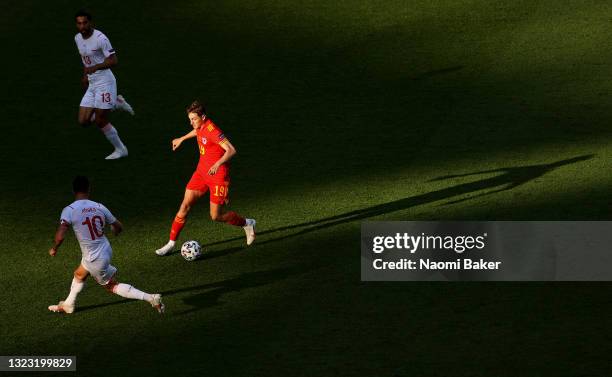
{"x":210,"y":138}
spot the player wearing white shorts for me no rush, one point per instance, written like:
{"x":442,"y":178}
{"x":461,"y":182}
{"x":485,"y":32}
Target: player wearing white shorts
{"x":100,"y":97}
{"x":88,"y":219}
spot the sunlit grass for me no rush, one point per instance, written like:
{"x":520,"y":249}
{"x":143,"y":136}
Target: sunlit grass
{"x":341,"y":112}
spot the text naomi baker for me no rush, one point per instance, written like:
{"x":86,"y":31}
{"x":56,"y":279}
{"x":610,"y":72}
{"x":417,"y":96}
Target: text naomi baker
{"x":428,"y":264}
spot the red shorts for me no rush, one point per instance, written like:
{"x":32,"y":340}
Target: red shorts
{"x":218,"y":185}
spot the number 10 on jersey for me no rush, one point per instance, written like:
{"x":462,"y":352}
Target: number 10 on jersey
{"x":94,"y":230}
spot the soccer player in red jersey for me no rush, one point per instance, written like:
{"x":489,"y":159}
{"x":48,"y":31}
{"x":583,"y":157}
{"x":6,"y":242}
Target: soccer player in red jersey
{"x":212,"y":174}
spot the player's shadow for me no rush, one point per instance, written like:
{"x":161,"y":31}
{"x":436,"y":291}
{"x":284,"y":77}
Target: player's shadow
{"x":210,"y":294}
{"x":507,"y":178}
{"x":205,"y":256}
{"x":210,"y":254}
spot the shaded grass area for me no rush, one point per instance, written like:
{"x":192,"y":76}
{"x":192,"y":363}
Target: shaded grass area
{"x":341,"y":112}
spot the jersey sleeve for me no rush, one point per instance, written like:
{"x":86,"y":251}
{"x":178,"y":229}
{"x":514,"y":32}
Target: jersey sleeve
{"x":65,"y":216}
{"x":105,"y":47}
{"x":108,"y":216}
{"x":214,"y":134}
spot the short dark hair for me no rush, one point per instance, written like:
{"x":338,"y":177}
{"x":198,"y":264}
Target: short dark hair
{"x":80,"y":184}
{"x":83,"y":13}
{"x":196,"y":107}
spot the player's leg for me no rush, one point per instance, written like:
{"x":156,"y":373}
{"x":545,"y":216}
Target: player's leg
{"x":78,"y":283}
{"x":110,"y":133}
{"x":86,"y":107}
{"x":131,"y":292}
{"x":217,"y":213}
{"x":105,"y":96}
{"x":85,"y":115}
{"x":122,"y":104}
{"x":190,"y":198}
{"x":218,"y":198}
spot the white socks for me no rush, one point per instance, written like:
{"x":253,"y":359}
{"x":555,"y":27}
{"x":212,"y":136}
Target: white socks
{"x":113,"y":136}
{"x":127,"y":291}
{"x":166,"y":248}
{"x":123,"y":290}
{"x":75,"y":288}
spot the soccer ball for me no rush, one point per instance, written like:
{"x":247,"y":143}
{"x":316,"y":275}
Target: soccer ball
{"x":191,"y":250}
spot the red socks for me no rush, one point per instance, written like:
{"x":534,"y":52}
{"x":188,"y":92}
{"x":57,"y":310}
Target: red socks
{"x":233,"y":218}
{"x":177,"y":226}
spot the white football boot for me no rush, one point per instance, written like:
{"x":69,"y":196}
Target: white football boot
{"x":121,"y":104}
{"x":61,"y":308}
{"x":166,"y":248}
{"x":118,"y":153}
{"x":249,"y":229}
{"x":157,"y":303}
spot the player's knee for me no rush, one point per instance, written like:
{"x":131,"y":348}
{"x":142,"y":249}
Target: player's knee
{"x":101,"y":122}
{"x":83,"y":121}
{"x":184,"y":210}
{"x":110,"y":286}
{"x":80,"y":276}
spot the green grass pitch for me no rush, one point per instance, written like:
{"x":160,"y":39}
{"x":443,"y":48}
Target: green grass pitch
{"x":341,"y":111}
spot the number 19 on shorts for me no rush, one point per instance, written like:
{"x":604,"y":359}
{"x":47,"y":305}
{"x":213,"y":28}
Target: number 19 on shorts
{"x":220,"y":191}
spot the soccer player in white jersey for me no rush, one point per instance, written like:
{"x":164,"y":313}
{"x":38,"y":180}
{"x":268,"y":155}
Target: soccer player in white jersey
{"x":88,"y":218}
{"x":101,"y":97}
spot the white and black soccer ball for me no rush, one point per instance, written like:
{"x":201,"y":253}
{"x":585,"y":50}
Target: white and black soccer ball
{"x":191,"y":250}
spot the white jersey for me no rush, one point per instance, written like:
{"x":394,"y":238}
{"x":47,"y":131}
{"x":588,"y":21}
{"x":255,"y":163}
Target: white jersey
{"x":93,"y":51}
{"x":88,"y":219}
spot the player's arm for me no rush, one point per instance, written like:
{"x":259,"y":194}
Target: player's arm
{"x":84,"y":79}
{"x":116,"y":227}
{"x":109,"y":62}
{"x":177,"y":142}
{"x":230,"y":152}
{"x":60,"y":234}
{"x":84,"y":82}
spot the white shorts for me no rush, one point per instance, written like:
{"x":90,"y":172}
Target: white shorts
{"x":100,"y":269}
{"x":100,"y":94}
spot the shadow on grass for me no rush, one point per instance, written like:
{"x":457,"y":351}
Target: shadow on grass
{"x":509,"y":178}
{"x":210,"y":254}
{"x":213,"y":292}
{"x":437,"y":72}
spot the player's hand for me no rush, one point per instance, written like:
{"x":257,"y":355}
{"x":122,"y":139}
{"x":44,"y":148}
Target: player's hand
{"x":213,"y":169}
{"x":52,"y":252}
{"x":176,"y":143}
{"x":116,"y":228}
{"x":90,"y":70}
{"x":84,"y":82}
